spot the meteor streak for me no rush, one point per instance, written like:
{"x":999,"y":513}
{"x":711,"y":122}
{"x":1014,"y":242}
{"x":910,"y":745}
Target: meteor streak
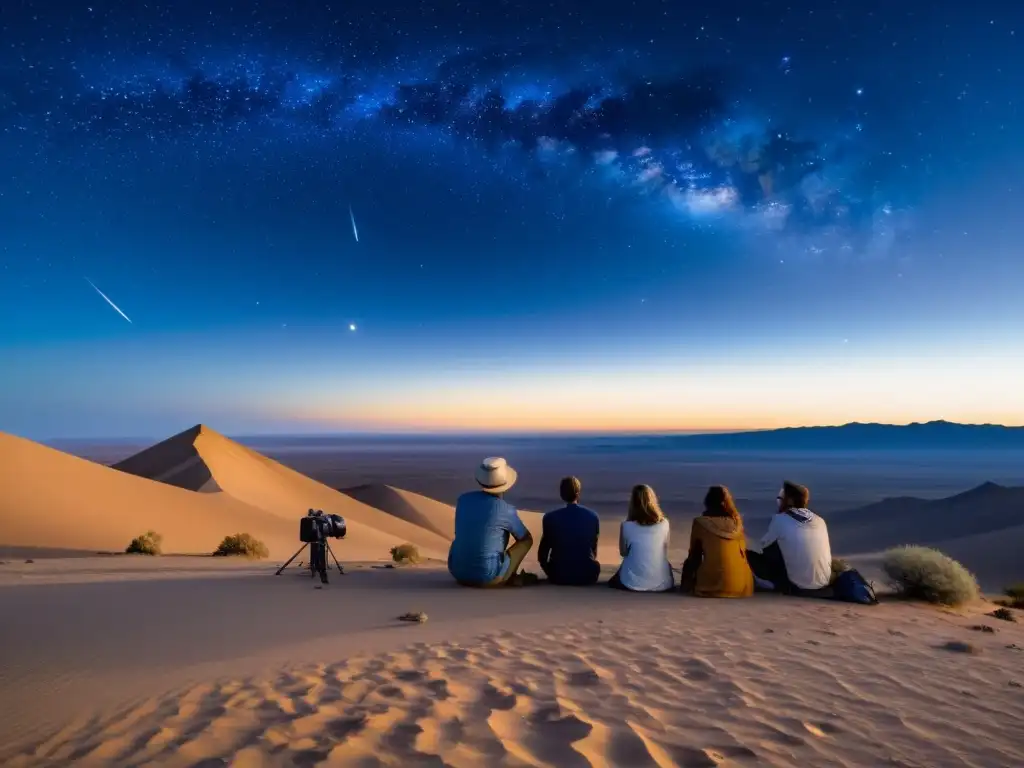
{"x":352,"y":216}
{"x":101,"y":293}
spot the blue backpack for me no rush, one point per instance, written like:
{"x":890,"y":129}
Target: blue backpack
{"x":851,"y":587}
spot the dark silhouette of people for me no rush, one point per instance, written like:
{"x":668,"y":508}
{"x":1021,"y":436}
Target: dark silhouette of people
{"x":568,"y":545}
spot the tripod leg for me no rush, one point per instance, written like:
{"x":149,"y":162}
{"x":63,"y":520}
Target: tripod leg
{"x":340,"y":569}
{"x":290,"y":559}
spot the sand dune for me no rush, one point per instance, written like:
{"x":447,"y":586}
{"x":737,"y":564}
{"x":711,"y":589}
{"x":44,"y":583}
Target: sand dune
{"x":406,"y":505}
{"x":254,"y":479}
{"x":54,"y":501}
{"x":983,"y":528}
{"x":892,"y":521}
{"x":562,"y":677}
{"x":194,"y":489}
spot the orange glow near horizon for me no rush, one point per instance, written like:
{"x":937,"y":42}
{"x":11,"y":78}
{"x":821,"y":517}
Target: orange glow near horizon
{"x":762,"y":396}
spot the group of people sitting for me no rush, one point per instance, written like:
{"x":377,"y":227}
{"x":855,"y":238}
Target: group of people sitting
{"x":794,"y":556}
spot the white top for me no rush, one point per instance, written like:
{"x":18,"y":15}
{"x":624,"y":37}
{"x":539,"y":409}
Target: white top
{"x":805,"y":547}
{"x":645,"y":566}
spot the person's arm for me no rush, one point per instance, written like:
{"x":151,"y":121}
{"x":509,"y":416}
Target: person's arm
{"x":597,"y":537}
{"x":517,"y":527}
{"x":623,"y":547}
{"x":544,"y":550}
{"x":773,"y":533}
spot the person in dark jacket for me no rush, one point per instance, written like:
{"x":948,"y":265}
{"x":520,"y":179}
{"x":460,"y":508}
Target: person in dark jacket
{"x":568,"y":545}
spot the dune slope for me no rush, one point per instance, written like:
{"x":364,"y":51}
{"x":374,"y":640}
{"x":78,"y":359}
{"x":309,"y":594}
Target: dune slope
{"x":412,"y":507}
{"x":202,"y":460}
{"x":55,"y":501}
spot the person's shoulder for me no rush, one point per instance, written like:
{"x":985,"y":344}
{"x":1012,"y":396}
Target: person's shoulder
{"x":587,"y":511}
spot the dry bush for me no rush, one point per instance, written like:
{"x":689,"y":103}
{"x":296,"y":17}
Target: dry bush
{"x":146,"y":544}
{"x":839,"y":566}
{"x":922,"y":573}
{"x":1016,"y":595}
{"x":243,"y":544}
{"x":406,"y":553}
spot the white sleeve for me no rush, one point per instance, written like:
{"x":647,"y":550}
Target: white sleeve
{"x":774,"y":530}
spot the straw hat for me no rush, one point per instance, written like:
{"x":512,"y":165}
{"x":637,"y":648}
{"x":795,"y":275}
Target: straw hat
{"x":495,"y":475}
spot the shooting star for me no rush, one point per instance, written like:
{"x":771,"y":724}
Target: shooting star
{"x":101,"y":293}
{"x":355,"y":231}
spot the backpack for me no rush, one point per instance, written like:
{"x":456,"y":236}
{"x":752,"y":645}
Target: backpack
{"x":851,"y":587}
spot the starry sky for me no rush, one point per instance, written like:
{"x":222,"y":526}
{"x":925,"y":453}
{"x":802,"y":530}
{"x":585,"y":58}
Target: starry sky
{"x":402,"y":215}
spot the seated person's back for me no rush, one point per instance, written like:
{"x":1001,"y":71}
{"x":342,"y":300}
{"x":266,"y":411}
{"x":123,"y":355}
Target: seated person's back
{"x":568,"y":547}
{"x":716,"y":565}
{"x":802,"y":539}
{"x":483,"y":523}
{"x":643,"y":543}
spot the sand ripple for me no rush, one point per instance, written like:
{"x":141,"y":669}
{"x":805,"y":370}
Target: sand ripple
{"x":653,"y":691}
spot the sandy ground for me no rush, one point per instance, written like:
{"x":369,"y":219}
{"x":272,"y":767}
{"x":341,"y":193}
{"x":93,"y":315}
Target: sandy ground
{"x":241,"y":668}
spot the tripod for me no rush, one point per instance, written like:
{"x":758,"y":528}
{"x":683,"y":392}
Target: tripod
{"x":317,"y":561}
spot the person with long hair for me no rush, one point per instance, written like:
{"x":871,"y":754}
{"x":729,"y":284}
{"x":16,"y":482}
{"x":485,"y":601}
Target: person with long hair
{"x":716,"y":565}
{"x":643,"y":544}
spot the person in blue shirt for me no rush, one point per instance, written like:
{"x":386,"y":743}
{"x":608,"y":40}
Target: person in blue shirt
{"x":480,"y":555}
{"x":568,"y":545}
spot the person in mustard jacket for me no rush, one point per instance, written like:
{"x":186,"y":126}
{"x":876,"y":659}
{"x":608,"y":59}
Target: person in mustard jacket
{"x":716,"y":565}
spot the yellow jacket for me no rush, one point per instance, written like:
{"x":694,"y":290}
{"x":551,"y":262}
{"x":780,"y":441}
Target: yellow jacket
{"x":716,"y":565}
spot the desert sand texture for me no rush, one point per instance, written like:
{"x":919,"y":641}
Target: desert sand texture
{"x":264,"y":671}
{"x":193,"y":660}
{"x":194,"y":489}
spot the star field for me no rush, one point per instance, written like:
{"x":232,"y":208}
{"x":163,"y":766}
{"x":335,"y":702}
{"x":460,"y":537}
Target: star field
{"x":199,"y":166}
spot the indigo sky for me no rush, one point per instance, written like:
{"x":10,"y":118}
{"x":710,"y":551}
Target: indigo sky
{"x":303,"y":216}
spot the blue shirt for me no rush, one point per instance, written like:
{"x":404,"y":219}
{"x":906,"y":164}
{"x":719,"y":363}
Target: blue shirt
{"x":483,"y":523}
{"x":568,"y":547}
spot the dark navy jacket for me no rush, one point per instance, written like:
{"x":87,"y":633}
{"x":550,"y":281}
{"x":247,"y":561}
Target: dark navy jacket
{"x":568,"y":546}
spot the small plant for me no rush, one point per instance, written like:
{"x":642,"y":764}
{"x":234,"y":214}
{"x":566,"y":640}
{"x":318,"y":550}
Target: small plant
{"x":1016,"y":595}
{"x":243,"y":544}
{"x":922,"y":573}
{"x":406,"y":553}
{"x":839,"y":566}
{"x":146,"y":544}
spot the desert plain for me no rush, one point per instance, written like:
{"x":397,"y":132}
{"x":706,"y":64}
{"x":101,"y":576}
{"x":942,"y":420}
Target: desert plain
{"x":184,"y":659}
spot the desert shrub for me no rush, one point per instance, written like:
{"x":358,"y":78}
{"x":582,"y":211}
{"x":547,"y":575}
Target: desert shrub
{"x":839,"y":566}
{"x":922,"y":573}
{"x":405,"y":553}
{"x":243,"y":544}
{"x":146,"y":544}
{"x":1016,"y":595}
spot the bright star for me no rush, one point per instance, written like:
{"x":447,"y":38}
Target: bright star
{"x":351,"y":326}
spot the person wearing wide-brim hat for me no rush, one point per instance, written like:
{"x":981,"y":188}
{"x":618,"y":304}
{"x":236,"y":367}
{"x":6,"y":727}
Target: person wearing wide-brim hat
{"x":480,"y":555}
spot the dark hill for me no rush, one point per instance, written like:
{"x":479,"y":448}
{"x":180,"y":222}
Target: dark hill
{"x":932,"y":435}
{"x":908,"y":520}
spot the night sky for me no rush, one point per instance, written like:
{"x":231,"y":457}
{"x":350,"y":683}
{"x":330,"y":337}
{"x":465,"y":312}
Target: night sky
{"x":384,"y":215}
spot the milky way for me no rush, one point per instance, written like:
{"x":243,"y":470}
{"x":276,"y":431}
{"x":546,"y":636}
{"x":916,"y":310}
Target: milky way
{"x":696,"y":144}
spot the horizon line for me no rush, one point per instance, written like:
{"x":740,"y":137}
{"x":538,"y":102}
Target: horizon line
{"x":537,"y":433}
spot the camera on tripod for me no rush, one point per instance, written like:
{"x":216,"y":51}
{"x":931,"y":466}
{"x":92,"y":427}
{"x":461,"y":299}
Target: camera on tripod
{"x":317,"y":526}
{"x":314,"y":531}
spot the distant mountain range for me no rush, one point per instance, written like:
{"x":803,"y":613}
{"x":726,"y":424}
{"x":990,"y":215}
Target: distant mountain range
{"x":983,"y":528}
{"x":932,"y":435}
